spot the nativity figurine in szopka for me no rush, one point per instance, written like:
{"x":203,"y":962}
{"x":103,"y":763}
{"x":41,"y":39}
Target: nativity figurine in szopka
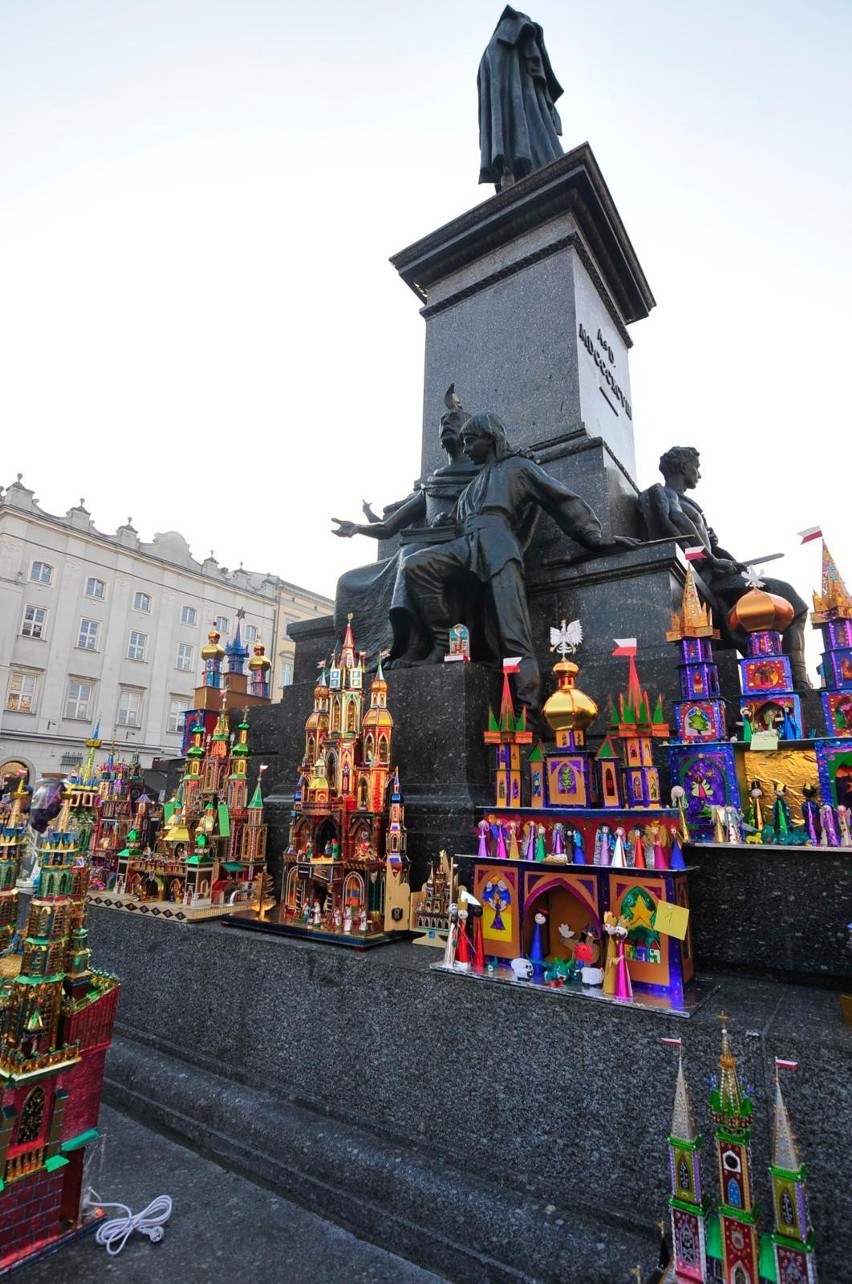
{"x":377,"y":595}
{"x":667,"y":512}
{"x":493,"y":522}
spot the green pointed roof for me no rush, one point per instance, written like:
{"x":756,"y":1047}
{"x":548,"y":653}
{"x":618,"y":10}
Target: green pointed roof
{"x":257,"y":797}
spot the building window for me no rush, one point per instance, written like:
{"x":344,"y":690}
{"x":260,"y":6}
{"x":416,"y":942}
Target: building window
{"x":32,"y":625}
{"x":21,"y":696}
{"x":78,"y":701}
{"x":177,"y":709}
{"x":95,"y":588}
{"x":136,"y":645}
{"x":141,"y":602}
{"x":32,"y":1116}
{"x":87,"y":638}
{"x":251,"y":633}
{"x":221,"y":624}
{"x":188,"y":615}
{"x":286,"y":674}
{"x":129,"y":709}
{"x":285,"y":626}
{"x":185,"y":657}
{"x":41,"y":572}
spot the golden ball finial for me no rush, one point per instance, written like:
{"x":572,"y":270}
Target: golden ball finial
{"x":569,"y":709}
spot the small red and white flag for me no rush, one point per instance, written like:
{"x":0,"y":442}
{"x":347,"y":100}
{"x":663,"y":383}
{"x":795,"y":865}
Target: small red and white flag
{"x":673,"y":1043}
{"x":262,"y":768}
{"x":624,"y":646}
{"x":813,"y":532}
{"x":781,"y":1064}
{"x":695,"y":554}
{"x":512,"y":664}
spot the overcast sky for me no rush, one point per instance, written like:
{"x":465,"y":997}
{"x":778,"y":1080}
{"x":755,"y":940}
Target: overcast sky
{"x":199,"y":325}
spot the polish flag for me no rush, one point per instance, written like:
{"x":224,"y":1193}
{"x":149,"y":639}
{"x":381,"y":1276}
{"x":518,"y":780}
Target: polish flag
{"x":813,"y":532}
{"x":781,"y":1064}
{"x":673,"y":1043}
{"x":695,"y":554}
{"x":512,"y":664}
{"x":624,"y":646}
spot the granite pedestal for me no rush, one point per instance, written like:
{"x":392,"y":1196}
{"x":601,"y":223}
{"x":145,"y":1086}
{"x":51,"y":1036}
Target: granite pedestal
{"x":490,"y":1133}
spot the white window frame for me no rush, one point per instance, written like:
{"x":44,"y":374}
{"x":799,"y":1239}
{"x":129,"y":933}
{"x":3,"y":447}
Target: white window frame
{"x":81,"y":684}
{"x":286,"y":673}
{"x":250,"y":634}
{"x":21,"y":695}
{"x":91,"y":590}
{"x":178,"y":706}
{"x":137,"y":646}
{"x":41,"y":577}
{"x":87,"y":638}
{"x":142,"y":602}
{"x":129,"y":716}
{"x":189,"y":615}
{"x":189,"y":657}
{"x":37,"y":626}
{"x":222,"y":624}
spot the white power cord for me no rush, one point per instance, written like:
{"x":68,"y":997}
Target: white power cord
{"x":115,"y":1233}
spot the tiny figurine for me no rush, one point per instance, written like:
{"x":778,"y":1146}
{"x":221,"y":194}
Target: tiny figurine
{"x":540,"y":843}
{"x":363,"y":920}
{"x":755,"y":816}
{"x":829,"y":830}
{"x":843,"y":826}
{"x":537,"y":949}
{"x":616,"y":976}
{"x":718,"y":824}
{"x":579,"y":851}
{"x":500,"y":834}
{"x":618,"y":860}
{"x":522,"y":969}
{"x":677,"y":861}
{"x":514,"y":853}
{"x":557,"y":839}
{"x":810,"y":814}
{"x":464,"y":952}
{"x":347,"y":919}
{"x":484,"y":834}
{"x":529,"y":841}
{"x":452,"y":936}
{"x":781,"y":820}
{"x":602,"y":848}
{"x":478,"y":961}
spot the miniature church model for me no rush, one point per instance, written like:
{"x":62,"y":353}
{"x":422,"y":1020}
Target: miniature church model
{"x":56,"y":1019}
{"x":730,"y":1246}
{"x":832,"y":615}
{"x":347,"y":835}
{"x":211,"y":848}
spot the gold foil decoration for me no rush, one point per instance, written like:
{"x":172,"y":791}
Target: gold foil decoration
{"x":790,"y":767}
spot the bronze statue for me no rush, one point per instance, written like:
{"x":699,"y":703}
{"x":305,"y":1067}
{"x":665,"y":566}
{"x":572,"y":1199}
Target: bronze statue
{"x":667,"y":511}
{"x":493,"y":523}
{"x":377,"y":594}
{"x":519,"y":126}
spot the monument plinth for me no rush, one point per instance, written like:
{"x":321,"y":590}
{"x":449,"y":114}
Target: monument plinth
{"x":527,"y":299}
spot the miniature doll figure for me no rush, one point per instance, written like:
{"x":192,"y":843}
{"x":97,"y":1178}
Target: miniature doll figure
{"x":579,"y":850}
{"x":540,"y":842}
{"x":557,"y":839}
{"x":514,"y":853}
{"x":336,"y":919}
{"x":316,"y":914}
{"x":452,"y":936}
{"x":755,"y":811}
{"x":500,"y":834}
{"x":478,"y":961}
{"x":529,"y":841}
{"x":718,"y":824}
{"x":810,"y":814}
{"x":829,"y":830}
{"x":732,"y":818}
{"x":781,"y":820}
{"x":306,"y":911}
{"x":620,"y":986}
{"x":677,"y":861}
{"x":537,"y":950}
{"x":679,"y":801}
{"x":660,"y":839}
{"x":790,"y":729}
{"x":637,"y":854}
{"x":335,"y":849}
{"x":602,"y":848}
{"x":484,"y":829}
{"x":618,"y":859}
{"x":747,"y":727}
{"x":464,"y":953}
{"x":363,"y":919}
{"x":843,"y":826}
{"x":522,"y":969}
{"x":347,"y":919}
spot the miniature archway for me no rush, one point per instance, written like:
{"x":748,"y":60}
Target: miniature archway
{"x":351,"y":715}
{"x":353,"y":891}
{"x":369,"y":747}
{"x":383,"y":748}
{"x":567,"y":903}
{"x":291,"y":890}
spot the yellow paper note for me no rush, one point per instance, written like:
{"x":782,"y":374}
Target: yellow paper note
{"x":671,"y":919}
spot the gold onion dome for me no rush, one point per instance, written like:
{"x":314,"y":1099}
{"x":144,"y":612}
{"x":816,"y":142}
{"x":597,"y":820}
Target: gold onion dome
{"x":757,"y":610}
{"x":260,"y":660}
{"x":213,"y":651}
{"x":569,"y":709}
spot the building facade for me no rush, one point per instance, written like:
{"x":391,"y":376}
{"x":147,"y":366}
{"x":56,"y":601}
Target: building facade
{"x":109,"y":628}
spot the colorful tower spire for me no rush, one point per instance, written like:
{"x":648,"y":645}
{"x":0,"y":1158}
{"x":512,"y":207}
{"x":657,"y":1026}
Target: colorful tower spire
{"x":832,"y":614}
{"x":260,"y":666}
{"x":793,"y":1238}
{"x":507,"y":735}
{"x":236,"y":653}
{"x":687,"y":1205}
{"x":731,"y":1108}
{"x":637,"y":727}
{"x":700,"y":712}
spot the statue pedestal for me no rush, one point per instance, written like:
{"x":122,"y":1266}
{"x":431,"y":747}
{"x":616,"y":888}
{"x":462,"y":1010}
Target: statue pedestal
{"x":528,"y":297}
